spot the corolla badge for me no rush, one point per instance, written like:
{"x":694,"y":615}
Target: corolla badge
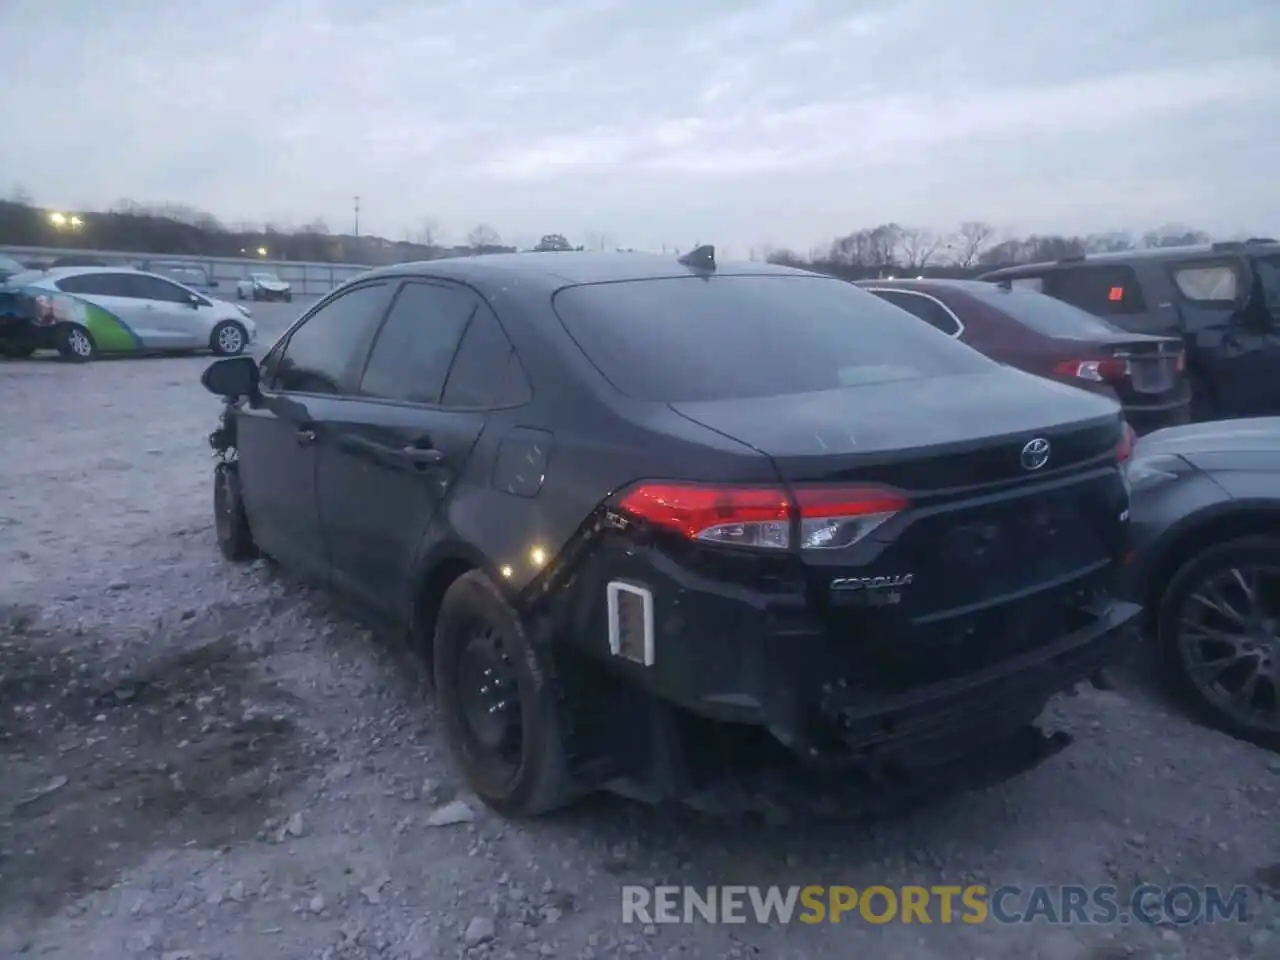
{"x":872,"y":591}
{"x":1035,"y":454}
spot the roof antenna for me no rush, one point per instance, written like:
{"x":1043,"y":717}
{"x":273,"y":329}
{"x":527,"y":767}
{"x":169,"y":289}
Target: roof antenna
{"x":700,"y":258}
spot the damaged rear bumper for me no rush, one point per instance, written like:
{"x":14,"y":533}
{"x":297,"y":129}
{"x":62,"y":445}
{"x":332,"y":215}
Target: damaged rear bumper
{"x":938,"y":722}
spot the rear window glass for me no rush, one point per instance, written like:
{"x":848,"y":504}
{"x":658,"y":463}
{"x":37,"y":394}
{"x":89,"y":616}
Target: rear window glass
{"x":1034,"y":284}
{"x":1043,"y":313}
{"x":1217,"y":281}
{"x":689,"y":339}
{"x":1105,"y":290}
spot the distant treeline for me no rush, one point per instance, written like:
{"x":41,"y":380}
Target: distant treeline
{"x":892,"y":249}
{"x":182,"y":231}
{"x":179,"y":230}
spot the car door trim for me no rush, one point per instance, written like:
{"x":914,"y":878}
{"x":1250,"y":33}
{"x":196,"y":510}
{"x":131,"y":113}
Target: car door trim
{"x":927,"y":296}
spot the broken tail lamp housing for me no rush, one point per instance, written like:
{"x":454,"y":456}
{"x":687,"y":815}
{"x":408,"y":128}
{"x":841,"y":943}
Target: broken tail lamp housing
{"x":807,"y":518}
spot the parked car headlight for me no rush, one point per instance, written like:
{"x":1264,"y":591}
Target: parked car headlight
{"x":1142,"y":473}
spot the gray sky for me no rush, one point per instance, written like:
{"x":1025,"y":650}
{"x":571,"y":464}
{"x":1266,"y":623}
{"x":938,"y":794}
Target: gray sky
{"x":730,"y":121}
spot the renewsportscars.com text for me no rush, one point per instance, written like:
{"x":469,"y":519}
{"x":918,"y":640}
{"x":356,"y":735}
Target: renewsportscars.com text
{"x":1145,"y":904}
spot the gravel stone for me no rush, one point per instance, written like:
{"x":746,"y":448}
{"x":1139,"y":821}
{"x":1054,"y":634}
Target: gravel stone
{"x":231,"y":750}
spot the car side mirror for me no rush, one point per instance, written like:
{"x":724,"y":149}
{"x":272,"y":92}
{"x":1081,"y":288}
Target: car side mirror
{"x":232,"y":377}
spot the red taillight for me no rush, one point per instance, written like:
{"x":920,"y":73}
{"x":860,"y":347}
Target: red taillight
{"x":708,"y":513}
{"x":1110,"y":370}
{"x":1180,"y":361}
{"x":827,"y":517}
{"x":1124,"y":449}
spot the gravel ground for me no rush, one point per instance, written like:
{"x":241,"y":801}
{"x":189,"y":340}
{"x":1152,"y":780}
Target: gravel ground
{"x":203,"y":761}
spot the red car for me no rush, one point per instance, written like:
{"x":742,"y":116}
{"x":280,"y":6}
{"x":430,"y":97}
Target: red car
{"x":1045,"y":336}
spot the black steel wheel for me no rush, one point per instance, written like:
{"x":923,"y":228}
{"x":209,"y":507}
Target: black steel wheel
{"x":235,"y":539}
{"x":499,"y":711}
{"x":1218,"y":625}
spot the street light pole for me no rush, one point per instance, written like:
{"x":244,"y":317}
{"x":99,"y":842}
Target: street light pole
{"x":357,"y":233}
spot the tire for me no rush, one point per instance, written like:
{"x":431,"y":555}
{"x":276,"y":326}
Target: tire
{"x":239,"y":294}
{"x":17,"y":351}
{"x":288,"y":298}
{"x":228,"y":339}
{"x":1179,"y":652}
{"x":75,"y":344}
{"x":533,"y":778}
{"x":235,"y":539}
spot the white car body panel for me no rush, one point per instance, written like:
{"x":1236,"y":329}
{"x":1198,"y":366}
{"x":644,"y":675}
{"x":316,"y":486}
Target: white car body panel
{"x":185,"y":322}
{"x":245,"y":287}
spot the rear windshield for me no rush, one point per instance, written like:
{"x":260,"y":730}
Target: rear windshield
{"x":1043,"y":313}
{"x":689,"y":339}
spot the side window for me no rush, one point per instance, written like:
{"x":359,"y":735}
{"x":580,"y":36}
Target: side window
{"x":1207,"y":282}
{"x":486,"y":371}
{"x":1105,"y":291}
{"x":926,"y":308}
{"x":99,"y":284}
{"x":76,"y":285}
{"x":142,"y":287}
{"x":319,"y":353}
{"x":414,"y":349}
{"x":1034,"y":284}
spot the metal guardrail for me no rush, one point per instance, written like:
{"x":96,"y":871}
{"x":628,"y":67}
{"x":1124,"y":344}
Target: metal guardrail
{"x":307,"y":279}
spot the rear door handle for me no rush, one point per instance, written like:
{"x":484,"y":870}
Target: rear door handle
{"x":306,"y":436}
{"x":421,"y":456}
{"x":406,"y":456}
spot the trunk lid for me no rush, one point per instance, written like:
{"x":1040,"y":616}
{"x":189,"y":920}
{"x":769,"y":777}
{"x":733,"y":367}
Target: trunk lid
{"x":991,"y":558}
{"x":921,"y":435}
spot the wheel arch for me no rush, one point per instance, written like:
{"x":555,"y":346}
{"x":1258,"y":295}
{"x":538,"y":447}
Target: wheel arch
{"x":1234,"y":520}
{"x":437,"y":570}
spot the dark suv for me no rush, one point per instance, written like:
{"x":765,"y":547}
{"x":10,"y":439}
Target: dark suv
{"x":642,"y":512}
{"x":1223,"y":299}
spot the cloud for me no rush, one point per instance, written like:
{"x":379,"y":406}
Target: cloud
{"x":786,"y":120}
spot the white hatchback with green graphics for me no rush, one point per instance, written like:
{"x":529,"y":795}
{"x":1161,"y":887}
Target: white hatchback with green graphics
{"x":85,"y":311}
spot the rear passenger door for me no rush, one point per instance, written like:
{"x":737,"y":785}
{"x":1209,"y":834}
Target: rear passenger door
{"x":111,"y":292}
{"x":392,"y":454}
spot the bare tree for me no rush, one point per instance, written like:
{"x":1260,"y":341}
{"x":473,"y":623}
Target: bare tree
{"x":1113,"y":241}
{"x":21,"y":195}
{"x":972,"y":239}
{"x":317,"y":227}
{"x":553,"y":243}
{"x":784,"y":257}
{"x":918,"y":245}
{"x":595,"y":240}
{"x":428,"y":232}
{"x":482,"y":236}
{"x":1174,"y":235}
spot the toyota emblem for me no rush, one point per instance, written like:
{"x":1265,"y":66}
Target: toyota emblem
{"x":1035,"y":454}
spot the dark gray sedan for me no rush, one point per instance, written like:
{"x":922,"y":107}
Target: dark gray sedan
{"x":1206,"y":564}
